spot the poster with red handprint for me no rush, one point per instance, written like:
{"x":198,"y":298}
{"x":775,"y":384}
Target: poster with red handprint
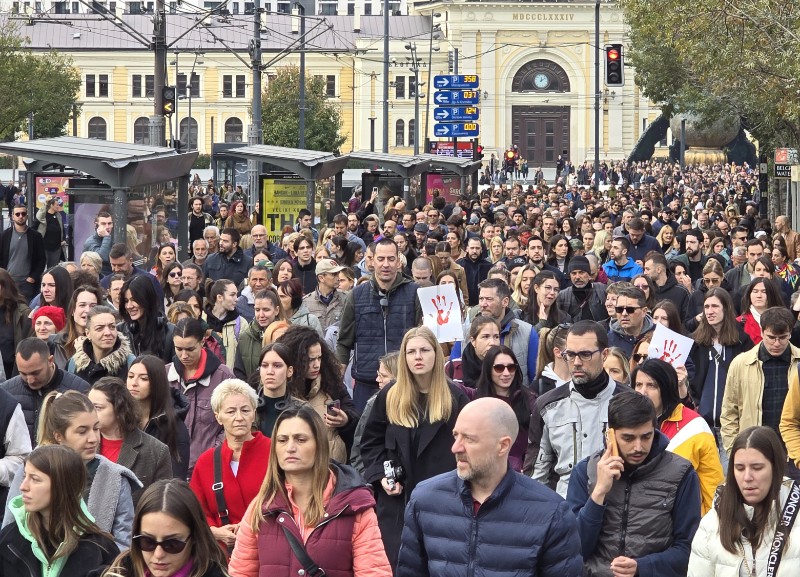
{"x":441,"y":312}
{"x":669,"y":346}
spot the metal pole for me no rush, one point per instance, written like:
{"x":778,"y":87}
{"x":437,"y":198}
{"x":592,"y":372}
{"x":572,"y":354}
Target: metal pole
{"x":372,"y":133}
{"x":157,"y":137}
{"x":302,"y":139}
{"x":415,"y":70}
{"x":683,"y":143}
{"x":177,"y":98}
{"x":255,"y":133}
{"x":430,"y":86}
{"x":596,"y":94}
{"x":455,"y":140}
{"x":385,"y":76}
{"x":30,"y":128}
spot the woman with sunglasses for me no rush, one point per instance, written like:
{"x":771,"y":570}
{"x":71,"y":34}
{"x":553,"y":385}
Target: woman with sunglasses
{"x":501,"y":378}
{"x":310,"y":510}
{"x":171,"y":282}
{"x":658,"y":381}
{"x":411,"y":425}
{"x":239,"y":464}
{"x":160,"y":409}
{"x":70,"y":419}
{"x":484,"y":333}
{"x":52,"y":533}
{"x":170,"y":537}
{"x":713,"y":276}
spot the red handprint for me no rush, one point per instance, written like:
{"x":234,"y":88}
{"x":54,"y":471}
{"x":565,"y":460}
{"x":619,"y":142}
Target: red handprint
{"x":440,"y":302}
{"x":669,"y":354}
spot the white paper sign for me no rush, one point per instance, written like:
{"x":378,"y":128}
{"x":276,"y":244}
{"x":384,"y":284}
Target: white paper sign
{"x":669,"y":346}
{"x":441,"y":312}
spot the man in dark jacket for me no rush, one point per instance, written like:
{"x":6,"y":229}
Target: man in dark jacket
{"x":632,"y":322}
{"x":667,"y":288}
{"x":230,"y":262}
{"x":38,"y":376}
{"x":476,"y":267}
{"x":374,"y":319}
{"x":121,"y":259}
{"x":517,"y":525}
{"x":638,"y":505}
{"x":22,"y":254}
{"x":584,"y":299}
{"x":641,"y":243}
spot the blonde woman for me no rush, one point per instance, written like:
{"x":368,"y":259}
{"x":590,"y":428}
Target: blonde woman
{"x":411,"y":425}
{"x":602,"y":244}
{"x":496,"y":250}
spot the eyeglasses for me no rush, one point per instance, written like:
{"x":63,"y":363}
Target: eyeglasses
{"x":175,"y":274}
{"x":629,"y":310}
{"x":640,"y":357}
{"x":500,"y":368}
{"x":170,"y":546}
{"x":583,"y":355}
{"x":642,"y":287}
{"x":776,"y":338}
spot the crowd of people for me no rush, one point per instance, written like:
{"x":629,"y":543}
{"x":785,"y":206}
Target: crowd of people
{"x":281,"y":408}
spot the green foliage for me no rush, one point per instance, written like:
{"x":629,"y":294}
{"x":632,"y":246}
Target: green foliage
{"x":46,"y":84}
{"x":6,"y":162}
{"x":202,"y":161}
{"x":280,"y":103}
{"x":720,"y":58}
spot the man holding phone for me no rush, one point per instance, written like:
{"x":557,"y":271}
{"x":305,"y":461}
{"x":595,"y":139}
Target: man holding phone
{"x":102,"y":239}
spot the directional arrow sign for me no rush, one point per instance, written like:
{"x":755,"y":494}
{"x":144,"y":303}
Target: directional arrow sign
{"x":457,"y":130}
{"x":456,"y":81}
{"x":456,"y":97}
{"x":456,"y":114}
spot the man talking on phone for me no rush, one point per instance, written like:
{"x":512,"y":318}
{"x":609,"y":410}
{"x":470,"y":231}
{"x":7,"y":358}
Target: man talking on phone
{"x":637,"y":504}
{"x":102,"y":239}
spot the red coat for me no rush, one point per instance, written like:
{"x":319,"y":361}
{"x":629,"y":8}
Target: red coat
{"x":751,"y":327}
{"x":239,"y":490}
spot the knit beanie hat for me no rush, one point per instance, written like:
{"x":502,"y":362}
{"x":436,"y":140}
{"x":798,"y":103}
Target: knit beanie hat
{"x":55,"y":314}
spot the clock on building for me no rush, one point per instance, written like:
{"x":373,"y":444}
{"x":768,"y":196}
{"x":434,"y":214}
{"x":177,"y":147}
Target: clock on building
{"x":541,"y":81}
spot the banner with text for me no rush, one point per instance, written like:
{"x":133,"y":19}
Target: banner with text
{"x":281,"y":200}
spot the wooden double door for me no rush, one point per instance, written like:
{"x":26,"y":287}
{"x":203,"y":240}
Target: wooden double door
{"x":542,"y":133}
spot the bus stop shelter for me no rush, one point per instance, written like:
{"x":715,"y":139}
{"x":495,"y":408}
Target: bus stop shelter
{"x":119,"y":165}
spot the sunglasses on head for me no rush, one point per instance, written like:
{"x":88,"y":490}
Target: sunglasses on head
{"x":500,"y":368}
{"x":629,"y":310}
{"x":171,"y":546}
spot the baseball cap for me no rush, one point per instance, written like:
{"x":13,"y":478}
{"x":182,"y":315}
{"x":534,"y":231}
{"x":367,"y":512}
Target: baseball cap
{"x":327,"y":265}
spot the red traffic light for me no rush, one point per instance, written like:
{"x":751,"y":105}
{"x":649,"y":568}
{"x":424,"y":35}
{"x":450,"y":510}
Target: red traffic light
{"x":480,"y":149}
{"x":613,"y":54}
{"x":510,"y":154}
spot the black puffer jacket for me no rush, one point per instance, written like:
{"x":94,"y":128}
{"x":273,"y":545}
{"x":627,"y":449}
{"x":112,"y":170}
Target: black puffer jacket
{"x":156,"y":427}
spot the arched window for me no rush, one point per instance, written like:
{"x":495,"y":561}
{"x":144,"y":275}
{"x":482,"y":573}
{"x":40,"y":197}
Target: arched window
{"x":97,"y":128}
{"x":411,"y":132}
{"x":400,"y":133}
{"x":188,"y":136}
{"x":141,"y":130}
{"x":234,"y":130}
{"x":540,"y":76}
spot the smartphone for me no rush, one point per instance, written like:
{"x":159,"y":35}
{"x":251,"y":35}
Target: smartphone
{"x":333,"y":406}
{"x":611,"y":441}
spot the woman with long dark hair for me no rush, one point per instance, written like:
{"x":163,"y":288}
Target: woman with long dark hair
{"x":736,"y":536}
{"x":308,"y":501}
{"x":560,"y":252}
{"x":170,"y":537}
{"x":56,"y":288}
{"x":85,"y":298}
{"x":272,"y":384}
{"x":541,"y":310}
{"x":171,"y":282}
{"x":164,"y":257}
{"x":52,"y":532}
{"x":317,"y":379}
{"x":159,"y":409}
{"x":421,"y":404}
{"x":501,"y":378}
{"x":658,"y":381}
{"x":15,"y":322}
{"x":760,"y":295}
{"x":294,"y":309}
{"x":484,"y":333}
{"x":145,"y":326}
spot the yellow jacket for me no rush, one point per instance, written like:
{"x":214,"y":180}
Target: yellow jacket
{"x":744,"y":390}
{"x":691,"y":438}
{"x":790,"y":420}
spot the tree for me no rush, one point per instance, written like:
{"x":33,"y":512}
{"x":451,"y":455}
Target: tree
{"x":45,"y":84}
{"x":280,"y":103}
{"x":721,"y":58}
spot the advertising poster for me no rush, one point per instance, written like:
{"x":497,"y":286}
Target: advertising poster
{"x":49,"y":186}
{"x":281,"y":200}
{"x":449,"y":186}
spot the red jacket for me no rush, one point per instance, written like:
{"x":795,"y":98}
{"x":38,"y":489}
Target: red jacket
{"x":239,"y":490}
{"x":751,"y":327}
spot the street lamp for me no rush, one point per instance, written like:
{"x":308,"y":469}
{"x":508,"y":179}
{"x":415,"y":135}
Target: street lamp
{"x":187,"y":94}
{"x":412,"y":47}
{"x":431,"y":50}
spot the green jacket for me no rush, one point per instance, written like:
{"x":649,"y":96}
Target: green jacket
{"x":248,"y":351}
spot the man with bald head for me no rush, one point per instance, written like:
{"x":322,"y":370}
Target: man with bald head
{"x":484,"y":514}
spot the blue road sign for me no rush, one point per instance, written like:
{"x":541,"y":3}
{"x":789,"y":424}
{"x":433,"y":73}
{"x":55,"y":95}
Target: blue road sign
{"x":456,"y":130}
{"x":456,"y":114}
{"x":456,"y":81}
{"x":456,"y":97}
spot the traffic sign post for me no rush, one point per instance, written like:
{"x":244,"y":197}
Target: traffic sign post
{"x":781,"y":170}
{"x":456,"y":114}
{"x":456,"y":130}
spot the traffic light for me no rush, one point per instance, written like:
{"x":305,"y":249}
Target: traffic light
{"x":510,"y":158}
{"x":614,"y":65}
{"x":168,"y":98}
{"x":450,"y":61}
{"x":480,"y":152}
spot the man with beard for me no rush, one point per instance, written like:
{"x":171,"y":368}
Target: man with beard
{"x":583,"y":300}
{"x":524,"y":528}
{"x":230,"y":262}
{"x":693,"y":259}
{"x":536,"y":253}
{"x":553,"y":449}
{"x":476,"y":268}
{"x":638,"y":504}
{"x":448,"y":264}
{"x":667,"y":287}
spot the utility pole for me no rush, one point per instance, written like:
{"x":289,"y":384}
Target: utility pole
{"x":415,"y":69}
{"x":255,"y":133}
{"x":385,"y":76}
{"x":455,"y":140}
{"x":596,"y":95}
{"x":159,"y":46}
{"x":302,"y":97}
